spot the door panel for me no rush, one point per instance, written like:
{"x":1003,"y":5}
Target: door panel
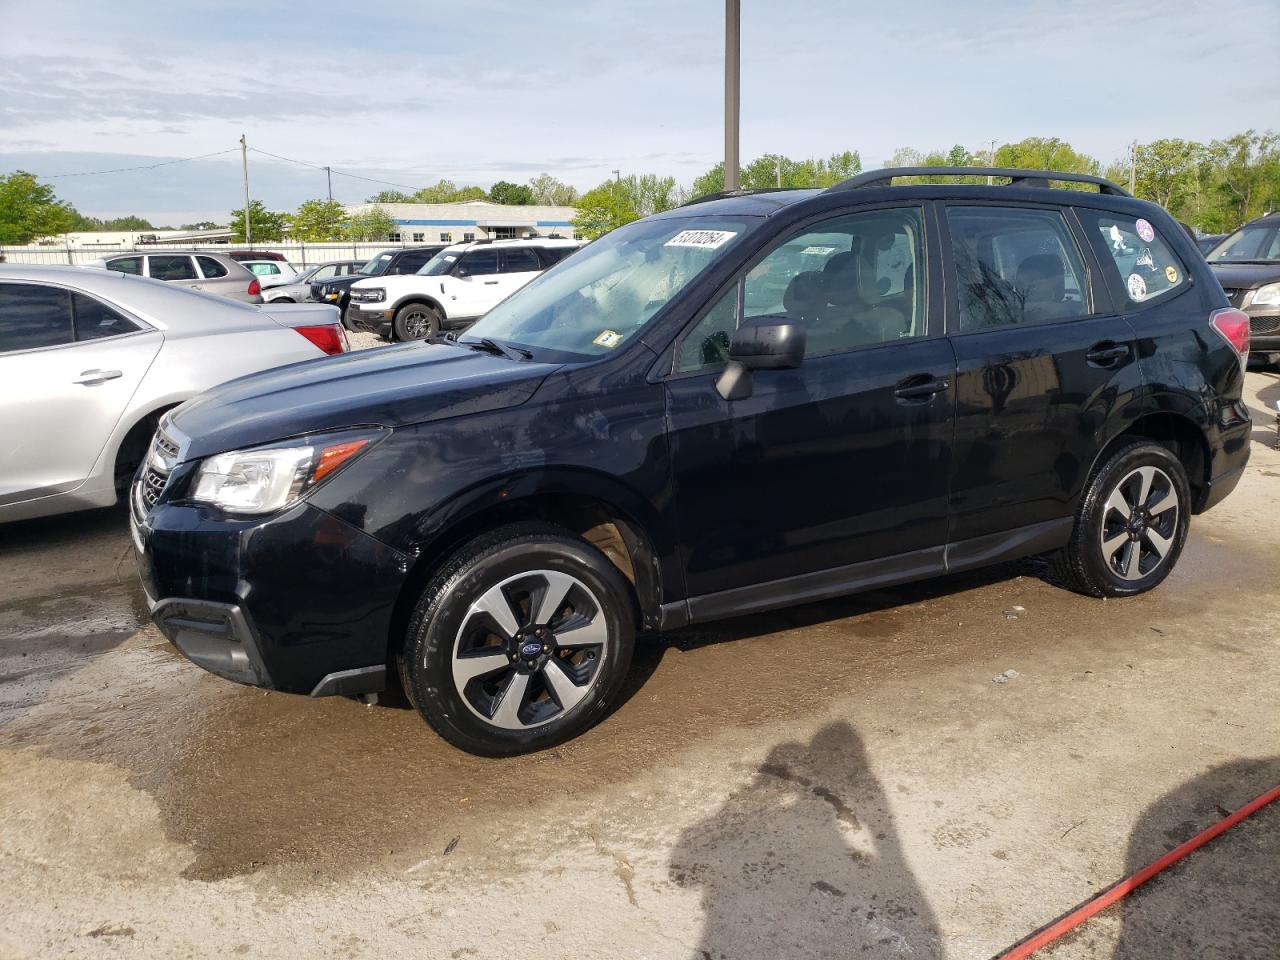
{"x":820,"y":467}
{"x":64,"y":403}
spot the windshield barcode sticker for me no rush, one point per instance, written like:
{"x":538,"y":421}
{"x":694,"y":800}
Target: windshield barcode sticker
{"x":706,"y":239}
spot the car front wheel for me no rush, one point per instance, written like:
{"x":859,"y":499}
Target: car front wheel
{"x":417,"y":321}
{"x":522,"y":641}
{"x":1131,"y":525}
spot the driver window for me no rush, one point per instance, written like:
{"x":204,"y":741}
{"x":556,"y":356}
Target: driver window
{"x":853,"y":281}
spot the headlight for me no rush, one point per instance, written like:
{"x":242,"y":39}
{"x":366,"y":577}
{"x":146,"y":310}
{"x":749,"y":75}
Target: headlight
{"x":1267,"y":295}
{"x":371,"y":295}
{"x":267,"y":479}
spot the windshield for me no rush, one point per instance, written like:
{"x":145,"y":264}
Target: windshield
{"x":591,"y":303}
{"x":306,"y":275}
{"x":377,"y":265}
{"x":441,"y":263}
{"x":1257,"y":242}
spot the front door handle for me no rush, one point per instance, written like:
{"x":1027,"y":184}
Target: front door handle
{"x":920,"y":387}
{"x":491,"y":283}
{"x":90,"y":377}
{"x":1106,"y":353}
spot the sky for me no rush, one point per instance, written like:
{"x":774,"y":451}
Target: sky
{"x":488,"y":90}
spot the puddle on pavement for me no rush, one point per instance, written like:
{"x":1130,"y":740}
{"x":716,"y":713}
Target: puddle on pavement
{"x":249,"y":779}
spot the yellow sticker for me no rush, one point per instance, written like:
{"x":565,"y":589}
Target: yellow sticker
{"x":608,"y":339}
{"x":1171,"y":274}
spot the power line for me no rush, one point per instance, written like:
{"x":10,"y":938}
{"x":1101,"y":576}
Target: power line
{"x":321,"y":166}
{"x":148,"y":166}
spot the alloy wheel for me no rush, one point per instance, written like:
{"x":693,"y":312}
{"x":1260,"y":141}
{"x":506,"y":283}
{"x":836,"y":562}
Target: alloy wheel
{"x":417,"y":324}
{"x":530,"y":649}
{"x":1139,"y":523}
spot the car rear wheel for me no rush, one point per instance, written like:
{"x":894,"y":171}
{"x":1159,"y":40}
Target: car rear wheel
{"x":522,"y":641}
{"x":1131,"y":525}
{"x":417,"y":321}
{"x":283,"y":300}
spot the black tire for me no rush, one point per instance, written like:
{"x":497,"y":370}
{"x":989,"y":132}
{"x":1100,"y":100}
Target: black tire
{"x":283,"y":300}
{"x":452,"y":634}
{"x":1114,"y":555}
{"x":417,"y":321}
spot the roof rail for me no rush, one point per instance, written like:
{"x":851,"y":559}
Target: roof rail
{"x":1017,"y":177}
{"x":721,"y":194}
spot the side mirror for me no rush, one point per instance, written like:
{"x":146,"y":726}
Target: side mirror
{"x":762,"y":343}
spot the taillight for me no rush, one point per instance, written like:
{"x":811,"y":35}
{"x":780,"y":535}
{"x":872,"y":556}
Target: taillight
{"x":1233,"y":326}
{"x":329,"y":337}
{"x":255,"y":287}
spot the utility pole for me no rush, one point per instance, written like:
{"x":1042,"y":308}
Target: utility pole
{"x":1133,"y":165}
{"x":617,"y":195}
{"x":732,"y":89}
{"x":244,"y":160}
{"x":991,"y":180}
{"x":329,"y":176}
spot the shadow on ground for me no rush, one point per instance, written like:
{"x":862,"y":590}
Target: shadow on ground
{"x":805,"y":861}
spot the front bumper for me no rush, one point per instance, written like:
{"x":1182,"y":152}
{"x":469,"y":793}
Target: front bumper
{"x":300,"y":602}
{"x":366,"y":316}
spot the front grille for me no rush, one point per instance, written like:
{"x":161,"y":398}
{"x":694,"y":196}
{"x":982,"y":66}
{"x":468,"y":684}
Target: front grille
{"x":1261,"y":325}
{"x":161,"y":459}
{"x":1235,"y":295}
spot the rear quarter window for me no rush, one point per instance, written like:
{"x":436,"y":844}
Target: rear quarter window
{"x":1146,"y":269}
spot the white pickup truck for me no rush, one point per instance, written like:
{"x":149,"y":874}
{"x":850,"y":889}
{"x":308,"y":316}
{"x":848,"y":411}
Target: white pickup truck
{"x":460,"y":284}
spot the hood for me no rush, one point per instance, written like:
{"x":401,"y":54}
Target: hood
{"x":337,"y":283}
{"x":390,"y":386}
{"x":1245,"y":275}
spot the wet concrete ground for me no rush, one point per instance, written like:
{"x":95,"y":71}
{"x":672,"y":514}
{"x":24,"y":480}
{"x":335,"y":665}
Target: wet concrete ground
{"x":837,"y":780}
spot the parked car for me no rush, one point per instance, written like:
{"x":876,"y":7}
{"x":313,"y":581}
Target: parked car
{"x":1209,"y":241}
{"x":299,"y":291}
{"x":387,"y":263}
{"x":90,"y":359}
{"x":1247,"y":264}
{"x":462,"y":282}
{"x":255,"y":255}
{"x":659,"y":432}
{"x":214,"y":272}
{"x":271,"y":272}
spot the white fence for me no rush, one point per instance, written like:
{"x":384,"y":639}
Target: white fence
{"x":299,"y":254}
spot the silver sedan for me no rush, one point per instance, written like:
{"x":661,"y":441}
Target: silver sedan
{"x":90,"y":359}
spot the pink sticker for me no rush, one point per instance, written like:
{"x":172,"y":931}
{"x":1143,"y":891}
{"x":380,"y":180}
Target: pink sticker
{"x":1145,"y":231}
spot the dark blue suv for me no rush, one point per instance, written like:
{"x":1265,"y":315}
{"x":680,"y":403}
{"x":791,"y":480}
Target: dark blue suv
{"x":751,"y":401}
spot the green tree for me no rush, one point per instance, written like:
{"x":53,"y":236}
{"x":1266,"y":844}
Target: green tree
{"x":773,"y":171}
{"x":373,"y":223}
{"x":29,"y":210}
{"x":390,"y":196}
{"x":1047,"y":153}
{"x":513,"y":194}
{"x":267,"y":225}
{"x":202,"y":225}
{"x":602,"y":209}
{"x":318,"y":221}
{"x":446,"y":191}
{"x":552,"y":192}
{"x":710,"y":182}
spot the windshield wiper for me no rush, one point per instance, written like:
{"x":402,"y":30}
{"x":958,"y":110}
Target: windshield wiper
{"x":498,"y":349}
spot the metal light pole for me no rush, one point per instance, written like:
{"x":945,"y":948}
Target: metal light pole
{"x":328,"y":175}
{"x":617,"y":195}
{"x":244,"y":160}
{"x":1133,"y":165}
{"x":991,"y":180}
{"x":732,"y":90}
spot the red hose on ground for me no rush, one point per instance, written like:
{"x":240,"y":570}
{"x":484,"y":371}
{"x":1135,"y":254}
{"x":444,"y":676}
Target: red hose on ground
{"x":1069,"y":921}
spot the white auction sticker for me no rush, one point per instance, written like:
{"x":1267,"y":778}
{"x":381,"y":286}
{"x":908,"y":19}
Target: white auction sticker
{"x":705,"y":239}
{"x":1137,"y":288}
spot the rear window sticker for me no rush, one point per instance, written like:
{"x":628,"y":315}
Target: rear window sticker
{"x":1145,"y":259}
{"x":1145,"y":230}
{"x":608,"y":339}
{"x":1137,"y":288}
{"x":705,"y":239}
{"x":1117,"y":240}
{"x":1171,"y":273}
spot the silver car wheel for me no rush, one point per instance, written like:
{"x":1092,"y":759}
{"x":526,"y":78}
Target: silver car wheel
{"x":530,"y":649}
{"x":1139,"y":523}
{"x":417,"y":323}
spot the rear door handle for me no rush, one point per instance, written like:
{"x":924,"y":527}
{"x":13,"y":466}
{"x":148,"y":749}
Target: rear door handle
{"x":1106,"y":353}
{"x":916,"y":388}
{"x":90,"y":377}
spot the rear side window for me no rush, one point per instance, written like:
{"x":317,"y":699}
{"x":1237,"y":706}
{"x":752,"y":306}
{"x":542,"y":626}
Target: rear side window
{"x":264,"y":269}
{"x":95,"y":320}
{"x":172,"y":268}
{"x":32,"y":316}
{"x":211,"y":268}
{"x":132,"y":265}
{"x":1147,"y":269}
{"x":1015,"y":266}
{"x":520,"y":261}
